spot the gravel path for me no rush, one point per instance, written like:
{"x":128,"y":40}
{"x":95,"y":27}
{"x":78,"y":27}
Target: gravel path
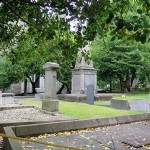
{"x":29,"y":114}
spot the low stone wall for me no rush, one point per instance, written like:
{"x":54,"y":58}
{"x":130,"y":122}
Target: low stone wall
{"x":82,"y":97}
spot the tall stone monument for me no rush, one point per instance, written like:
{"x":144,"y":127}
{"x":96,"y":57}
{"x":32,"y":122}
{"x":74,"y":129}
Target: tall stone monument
{"x":83,"y":75}
{"x":50,"y":101}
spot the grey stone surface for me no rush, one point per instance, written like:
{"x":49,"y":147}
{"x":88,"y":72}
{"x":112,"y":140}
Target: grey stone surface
{"x":83,"y":75}
{"x":101,"y":138}
{"x":39,"y":96}
{"x":50,"y":105}
{"x":139,"y":105}
{"x":50,"y":79}
{"x":120,"y":104}
{"x":90,"y":94}
{"x":50,"y":87}
{"x":91,"y":139}
{"x":82,"y":97}
{"x":6,"y":98}
{"x":78,"y":124}
{"x":10,"y":144}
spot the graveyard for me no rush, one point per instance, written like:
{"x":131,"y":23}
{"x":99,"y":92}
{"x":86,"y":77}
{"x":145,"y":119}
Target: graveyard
{"x":75,"y":120}
{"x":74,"y":75}
{"x":28,"y":120}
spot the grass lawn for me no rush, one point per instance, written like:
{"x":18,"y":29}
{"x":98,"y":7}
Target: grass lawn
{"x":82,"y":110}
{"x":132,"y":95}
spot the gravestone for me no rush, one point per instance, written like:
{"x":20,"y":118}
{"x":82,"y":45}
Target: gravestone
{"x":6,"y":98}
{"x":120,"y":104}
{"x":50,"y":101}
{"x":139,"y":105}
{"x":90,"y":95}
{"x":39,"y":95}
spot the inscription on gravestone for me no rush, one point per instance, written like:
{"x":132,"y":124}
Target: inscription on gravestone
{"x":90,"y":94}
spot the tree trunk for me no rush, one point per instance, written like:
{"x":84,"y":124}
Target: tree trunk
{"x":33,"y":83}
{"x":68,"y":89}
{"x":110,"y":88}
{"x":25,"y":87}
{"x":61,"y":89}
{"x":121,"y":85}
{"x":33,"y":87}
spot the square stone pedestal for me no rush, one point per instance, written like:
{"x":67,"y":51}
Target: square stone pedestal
{"x":50,"y":105}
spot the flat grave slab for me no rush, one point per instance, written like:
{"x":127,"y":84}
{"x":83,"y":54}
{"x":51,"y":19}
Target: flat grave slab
{"x":120,"y":104}
{"x":138,"y":142}
{"x":139,"y":105}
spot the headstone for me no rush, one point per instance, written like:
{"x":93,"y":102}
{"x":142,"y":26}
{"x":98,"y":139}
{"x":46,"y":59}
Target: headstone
{"x":120,"y":104}
{"x":90,"y":94}
{"x":50,"y":101}
{"x":39,"y":96}
{"x":6,"y":98}
{"x":40,"y":93}
{"x":139,"y":105}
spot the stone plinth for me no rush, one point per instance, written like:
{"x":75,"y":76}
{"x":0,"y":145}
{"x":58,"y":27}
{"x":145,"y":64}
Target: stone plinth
{"x":81,"y":78}
{"x":50,"y":102}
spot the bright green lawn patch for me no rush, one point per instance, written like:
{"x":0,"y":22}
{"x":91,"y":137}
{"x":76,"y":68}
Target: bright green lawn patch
{"x":134,"y":95}
{"x":84,"y":111}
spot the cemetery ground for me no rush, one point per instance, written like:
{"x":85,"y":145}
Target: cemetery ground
{"x":74,"y":116}
{"x":85,"y":111}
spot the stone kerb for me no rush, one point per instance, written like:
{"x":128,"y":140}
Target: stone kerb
{"x":50,"y":102}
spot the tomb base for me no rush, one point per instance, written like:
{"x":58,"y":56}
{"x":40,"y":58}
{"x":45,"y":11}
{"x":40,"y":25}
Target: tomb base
{"x":49,"y":104}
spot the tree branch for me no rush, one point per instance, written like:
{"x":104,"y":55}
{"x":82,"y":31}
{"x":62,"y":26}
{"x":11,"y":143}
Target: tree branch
{"x":13,"y":11}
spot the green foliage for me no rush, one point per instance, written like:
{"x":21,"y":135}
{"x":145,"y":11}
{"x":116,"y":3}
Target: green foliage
{"x":120,"y":60}
{"x":123,"y":18}
{"x":31,"y":54}
{"x":8,"y":73}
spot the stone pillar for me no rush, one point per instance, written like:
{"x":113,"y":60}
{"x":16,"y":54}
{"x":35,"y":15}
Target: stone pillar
{"x":50,"y":102}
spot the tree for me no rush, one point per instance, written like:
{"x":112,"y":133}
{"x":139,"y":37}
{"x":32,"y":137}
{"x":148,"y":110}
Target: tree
{"x":8,"y":73}
{"x":120,"y":60}
{"x":31,"y":54}
{"x":93,"y":16}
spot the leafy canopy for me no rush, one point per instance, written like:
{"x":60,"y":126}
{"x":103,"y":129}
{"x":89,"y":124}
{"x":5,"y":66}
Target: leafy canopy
{"x":122,"y":17}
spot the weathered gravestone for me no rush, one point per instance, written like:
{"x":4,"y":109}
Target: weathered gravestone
{"x":90,"y":94}
{"x":120,"y":104}
{"x":40,"y":93}
{"x":6,"y":98}
{"x":139,"y":105}
{"x":50,"y":101}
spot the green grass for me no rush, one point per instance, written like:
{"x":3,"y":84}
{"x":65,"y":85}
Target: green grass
{"x":134,"y":95}
{"x":82,"y":110}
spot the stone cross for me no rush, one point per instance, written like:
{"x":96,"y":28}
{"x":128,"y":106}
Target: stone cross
{"x":50,"y":102}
